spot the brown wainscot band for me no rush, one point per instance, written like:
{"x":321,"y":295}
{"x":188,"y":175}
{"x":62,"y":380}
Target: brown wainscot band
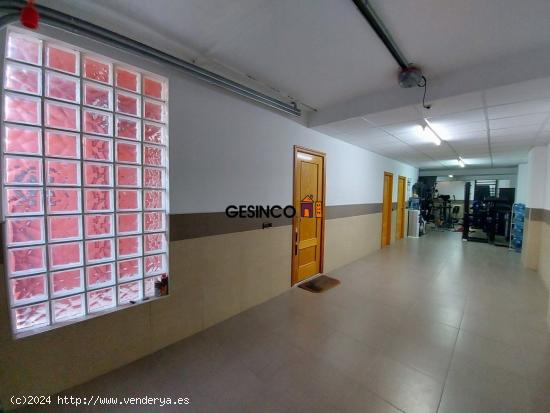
{"x":204,"y":224}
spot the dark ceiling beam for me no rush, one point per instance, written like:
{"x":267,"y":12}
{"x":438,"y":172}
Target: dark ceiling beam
{"x":380,"y":29}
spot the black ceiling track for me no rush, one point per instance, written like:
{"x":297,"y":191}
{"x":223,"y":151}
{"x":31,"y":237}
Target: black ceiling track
{"x":380,"y":29}
{"x":12,"y":8}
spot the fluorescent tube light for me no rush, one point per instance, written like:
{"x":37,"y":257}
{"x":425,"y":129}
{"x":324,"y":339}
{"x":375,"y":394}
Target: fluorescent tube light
{"x":431,"y":135}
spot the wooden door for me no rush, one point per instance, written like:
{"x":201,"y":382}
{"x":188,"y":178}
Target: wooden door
{"x":387,"y":209}
{"x":308,"y":223}
{"x":401,"y":193}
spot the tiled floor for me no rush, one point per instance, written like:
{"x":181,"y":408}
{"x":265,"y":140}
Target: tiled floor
{"x":428,"y":325}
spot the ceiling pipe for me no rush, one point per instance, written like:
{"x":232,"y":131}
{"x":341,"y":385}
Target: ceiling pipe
{"x":409,"y":76}
{"x":380,"y":29}
{"x":60,"y":20}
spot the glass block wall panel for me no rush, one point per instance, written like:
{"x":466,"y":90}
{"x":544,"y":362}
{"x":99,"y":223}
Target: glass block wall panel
{"x":102,"y":299}
{"x":98,"y":95}
{"x":127,"y":128}
{"x":22,"y":109}
{"x":24,"y":48}
{"x":61,"y":116}
{"x":66,"y":282}
{"x":97,"y":122}
{"x":64,"y":228}
{"x":62,"y":87}
{"x":25,"y":290}
{"x":127,"y":79}
{"x":23,"y":78}
{"x":100,"y":275}
{"x":98,"y":69}
{"x":24,"y":231}
{"x":128,"y":103}
{"x":22,"y":140}
{"x":19,"y":170}
{"x":61,"y":144}
{"x":67,"y":308}
{"x":62,"y":59}
{"x":84,"y":182}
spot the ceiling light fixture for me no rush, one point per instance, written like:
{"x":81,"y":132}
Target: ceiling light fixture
{"x":461,"y":162}
{"x":431,"y":135}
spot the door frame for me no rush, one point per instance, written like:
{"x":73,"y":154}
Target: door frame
{"x":399,"y":236}
{"x":389,"y":217}
{"x":294,"y":256}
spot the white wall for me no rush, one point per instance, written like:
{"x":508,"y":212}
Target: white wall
{"x":227,"y":150}
{"x":547,"y":180}
{"x":451,"y":188}
{"x":522,"y":183}
{"x":233,"y":151}
{"x":537,"y":179}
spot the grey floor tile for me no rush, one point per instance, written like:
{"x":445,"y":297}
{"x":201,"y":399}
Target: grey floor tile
{"x":500,"y":327}
{"x":306,"y":333}
{"x":477,"y":379}
{"x":426,"y":325}
{"x":364,"y":401}
{"x":404,"y":387}
{"x":435,"y":311}
{"x":233,"y":385}
{"x":540,"y":394}
{"x":536,"y":355}
{"x":456,"y":399}
{"x":372,"y":332}
{"x":475,"y":348}
{"x":351,"y":357}
{"x":428,"y":359}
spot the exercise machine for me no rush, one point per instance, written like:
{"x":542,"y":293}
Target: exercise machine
{"x":488,"y":220}
{"x":445,"y":207}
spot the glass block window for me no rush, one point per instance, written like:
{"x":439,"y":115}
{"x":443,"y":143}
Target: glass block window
{"x":85,"y":183}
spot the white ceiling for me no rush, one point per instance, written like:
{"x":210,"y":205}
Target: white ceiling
{"x":322,"y":51}
{"x":318,"y":51}
{"x":324,"y":54}
{"x":445,"y":35}
{"x":494,"y":127}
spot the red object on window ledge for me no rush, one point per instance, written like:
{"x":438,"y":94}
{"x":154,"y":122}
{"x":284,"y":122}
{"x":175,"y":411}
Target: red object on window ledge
{"x":29,"y":15}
